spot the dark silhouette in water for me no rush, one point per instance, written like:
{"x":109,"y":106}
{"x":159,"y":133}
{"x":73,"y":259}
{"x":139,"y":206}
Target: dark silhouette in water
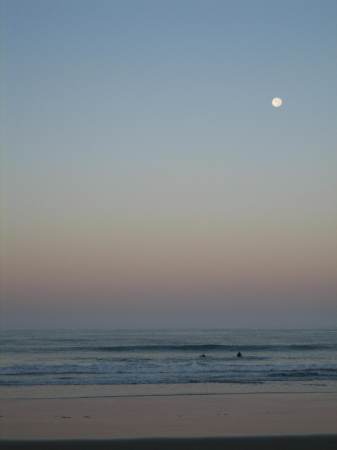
{"x":239,"y":355}
{"x":203,"y":355}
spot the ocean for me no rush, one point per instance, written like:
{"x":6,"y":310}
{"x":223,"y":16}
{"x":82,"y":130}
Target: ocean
{"x":110,"y":357}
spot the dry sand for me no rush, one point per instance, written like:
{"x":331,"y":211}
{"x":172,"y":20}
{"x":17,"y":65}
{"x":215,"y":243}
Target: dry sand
{"x":322,"y":442}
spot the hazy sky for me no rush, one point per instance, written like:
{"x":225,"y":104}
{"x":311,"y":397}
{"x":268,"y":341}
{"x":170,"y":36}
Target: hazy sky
{"x":147,"y":179}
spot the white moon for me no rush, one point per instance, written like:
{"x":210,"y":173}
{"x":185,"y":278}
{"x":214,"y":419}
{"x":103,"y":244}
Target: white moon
{"x":277,"y":102}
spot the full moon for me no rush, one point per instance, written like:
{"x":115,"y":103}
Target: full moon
{"x":277,"y":102}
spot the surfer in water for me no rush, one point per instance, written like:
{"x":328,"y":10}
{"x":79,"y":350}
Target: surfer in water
{"x":239,"y":355}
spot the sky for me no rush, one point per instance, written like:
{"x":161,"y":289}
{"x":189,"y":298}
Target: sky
{"x":147,"y":181}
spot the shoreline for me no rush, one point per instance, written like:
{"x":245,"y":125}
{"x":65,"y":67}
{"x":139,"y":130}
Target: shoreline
{"x":152,"y":390}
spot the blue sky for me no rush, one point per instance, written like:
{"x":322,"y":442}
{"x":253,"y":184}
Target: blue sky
{"x":137,"y":133}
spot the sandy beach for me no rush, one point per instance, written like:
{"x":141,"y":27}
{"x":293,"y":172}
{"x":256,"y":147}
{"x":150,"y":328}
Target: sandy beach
{"x":319,"y":442}
{"x":129,"y":416}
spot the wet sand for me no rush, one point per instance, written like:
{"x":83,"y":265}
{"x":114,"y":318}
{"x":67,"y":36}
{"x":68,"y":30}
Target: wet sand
{"x":180,"y":417}
{"x":168,"y":415}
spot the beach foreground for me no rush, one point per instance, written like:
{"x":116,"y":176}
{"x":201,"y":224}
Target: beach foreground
{"x":174,"y":415}
{"x":325,"y":442}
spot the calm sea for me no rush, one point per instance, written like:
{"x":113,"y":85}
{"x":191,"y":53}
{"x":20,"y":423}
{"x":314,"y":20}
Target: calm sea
{"x":152,"y":357}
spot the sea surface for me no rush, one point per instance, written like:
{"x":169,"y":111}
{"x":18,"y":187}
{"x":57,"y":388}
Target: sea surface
{"x":59,"y":357}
